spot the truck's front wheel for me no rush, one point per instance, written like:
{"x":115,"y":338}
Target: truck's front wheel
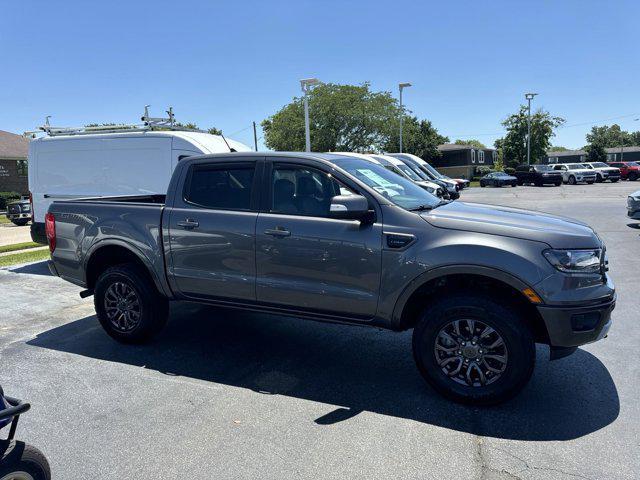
{"x":473,"y":350}
{"x":128,"y":306}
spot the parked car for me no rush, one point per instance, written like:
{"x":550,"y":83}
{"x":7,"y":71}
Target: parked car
{"x":603,"y":171}
{"x":633,"y":205}
{"x":418,"y":166}
{"x":19,"y":211}
{"x":398,"y":166}
{"x":498,"y":179}
{"x":311,"y":236}
{"x":461,"y":182}
{"x":628,"y":170}
{"x":538,"y":175}
{"x":573,"y":173}
{"x":389,"y":164}
{"x":76,"y":163}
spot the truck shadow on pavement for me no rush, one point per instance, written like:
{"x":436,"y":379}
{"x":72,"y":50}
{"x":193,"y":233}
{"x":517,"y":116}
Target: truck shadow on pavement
{"x":352,"y":369}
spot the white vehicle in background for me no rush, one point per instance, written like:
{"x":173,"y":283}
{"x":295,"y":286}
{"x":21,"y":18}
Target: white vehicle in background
{"x":392,"y":164}
{"x":603,"y":171}
{"x":115,"y":160}
{"x":573,"y":173}
{"x":398,"y":166}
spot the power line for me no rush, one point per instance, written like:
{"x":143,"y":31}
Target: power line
{"x":561,"y":126}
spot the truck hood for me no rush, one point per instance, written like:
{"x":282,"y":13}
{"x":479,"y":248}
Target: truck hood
{"x":557,"y":232}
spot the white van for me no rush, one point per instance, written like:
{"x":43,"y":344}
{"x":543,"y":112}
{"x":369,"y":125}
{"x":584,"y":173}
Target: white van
{"x":102,"y":164}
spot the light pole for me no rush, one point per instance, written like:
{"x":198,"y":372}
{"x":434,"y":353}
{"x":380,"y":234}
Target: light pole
{"x":305,"y":83}
{"x":401,"y":86}
{"x":622,"y":144}
{"x":529,"y":97}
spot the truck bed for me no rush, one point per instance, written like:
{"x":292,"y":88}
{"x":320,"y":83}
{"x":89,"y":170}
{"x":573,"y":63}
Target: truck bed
{"x":157,"y":199}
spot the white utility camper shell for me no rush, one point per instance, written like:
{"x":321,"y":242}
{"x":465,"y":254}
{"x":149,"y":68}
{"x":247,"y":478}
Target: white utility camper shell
{"x":105,"y":164}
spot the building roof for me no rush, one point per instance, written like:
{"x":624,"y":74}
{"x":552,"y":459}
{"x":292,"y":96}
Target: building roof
{"x":566,"y":153}
{"x":13,"y":146}
{"x":445,"y":147}
{"x":619,"y":149}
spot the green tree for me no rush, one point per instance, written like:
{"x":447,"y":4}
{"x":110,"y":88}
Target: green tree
{"x":342,"y":117}
{"x":557,"y":148}
{"x":472,"y":141}
{"x":419,"y":137}
{"x":214,"y":131}
{"x":514,"y":142}
{"x":606,"y":136}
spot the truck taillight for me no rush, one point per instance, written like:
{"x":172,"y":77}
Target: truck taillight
{"x":31,"y":203}
{"x":50,"y":230}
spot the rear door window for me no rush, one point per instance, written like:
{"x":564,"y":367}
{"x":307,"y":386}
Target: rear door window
{"x":220,"y":187}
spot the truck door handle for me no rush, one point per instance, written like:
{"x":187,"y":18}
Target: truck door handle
{"x":277,"y":232}
{"x":188,"y":224}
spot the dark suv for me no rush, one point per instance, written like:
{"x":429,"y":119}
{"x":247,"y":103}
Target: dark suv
{"x":19,"y":212}
{"x":538,"y":175}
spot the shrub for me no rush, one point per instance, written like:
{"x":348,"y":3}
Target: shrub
{"x":7,"y":197}
{"x":510,"y":170}
{"x":481,"y":171}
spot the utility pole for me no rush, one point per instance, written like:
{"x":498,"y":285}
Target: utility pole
{"x":255,"y":136}
{"x":529,"y":97}
{"x":401,"y":86}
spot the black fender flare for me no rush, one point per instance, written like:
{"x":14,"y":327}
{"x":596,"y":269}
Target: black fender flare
{"x":446,"y":270}
{"x":160,"y":284}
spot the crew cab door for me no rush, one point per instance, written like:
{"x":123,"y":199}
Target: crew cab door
{"x":212,"y":231}
{"x":306,"y":260}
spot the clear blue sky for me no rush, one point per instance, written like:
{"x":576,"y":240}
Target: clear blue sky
{"x":226,"y":64}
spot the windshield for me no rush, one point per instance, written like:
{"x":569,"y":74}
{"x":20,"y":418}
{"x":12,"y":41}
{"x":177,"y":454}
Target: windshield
{"x":599,"y":164}
{"x":633,"y":164}
{"x":398,"y":190}
{"x":575,"y":166}
{"x":501,"y":174}
{"x":409,"y":173}
{"x":431,"y":170}
{"x":587,"y":166}
{"x":543,"y":168}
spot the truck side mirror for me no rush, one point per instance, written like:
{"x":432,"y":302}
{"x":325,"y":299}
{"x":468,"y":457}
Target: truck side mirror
{"x":350,"y":207}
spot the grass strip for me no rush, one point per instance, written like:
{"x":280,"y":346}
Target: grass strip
{"x":24,"y":257}
{"x":19,"y":246}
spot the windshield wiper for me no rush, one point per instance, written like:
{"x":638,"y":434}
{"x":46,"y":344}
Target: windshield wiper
{"x":421,"y":208}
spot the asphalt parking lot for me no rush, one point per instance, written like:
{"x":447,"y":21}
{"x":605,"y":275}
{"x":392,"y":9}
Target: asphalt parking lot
{"x":224,"y":394}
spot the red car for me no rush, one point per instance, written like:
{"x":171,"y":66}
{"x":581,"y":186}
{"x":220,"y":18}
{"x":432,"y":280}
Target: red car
{"x":628,"y":170}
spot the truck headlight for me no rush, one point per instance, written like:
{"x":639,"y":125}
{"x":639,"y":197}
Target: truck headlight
{"x":575,"y":261}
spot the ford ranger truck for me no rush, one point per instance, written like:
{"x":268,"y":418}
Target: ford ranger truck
{"x":325,"y":237}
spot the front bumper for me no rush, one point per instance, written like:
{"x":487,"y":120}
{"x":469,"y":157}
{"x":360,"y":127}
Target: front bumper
{"x":18,"y":216}
{"x":633,"y":214}
{"x":575,"y":325}
{"x":585,"y":178}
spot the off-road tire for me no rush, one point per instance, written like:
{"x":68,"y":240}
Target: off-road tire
{"x":154,"y":307}
{"x":516,"y":335}
{"x":572,"y":180}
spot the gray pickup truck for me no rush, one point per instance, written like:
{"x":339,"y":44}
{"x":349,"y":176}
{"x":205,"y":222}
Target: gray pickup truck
{"x":335,"y":238}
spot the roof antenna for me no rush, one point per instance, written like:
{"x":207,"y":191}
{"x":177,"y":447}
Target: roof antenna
{"x":225,"y":141}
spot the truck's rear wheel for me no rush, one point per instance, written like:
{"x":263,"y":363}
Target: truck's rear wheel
{"x":128,"y":306}
{"x":473,"y":350}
